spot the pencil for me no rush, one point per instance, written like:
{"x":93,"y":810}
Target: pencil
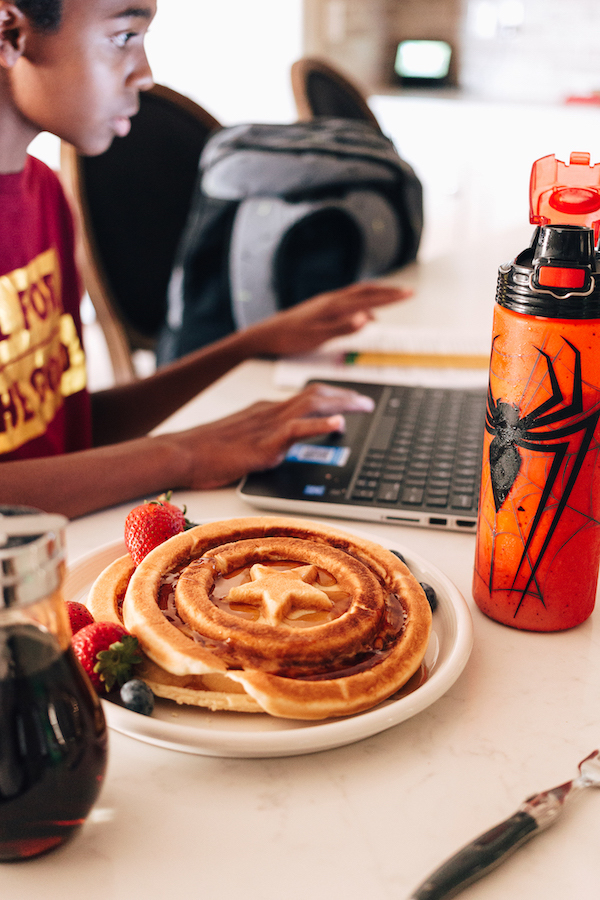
{"x":422,"y":360}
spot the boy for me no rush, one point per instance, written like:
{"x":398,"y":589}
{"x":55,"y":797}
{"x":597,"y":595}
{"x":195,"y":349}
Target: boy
{"x":75,"y":68}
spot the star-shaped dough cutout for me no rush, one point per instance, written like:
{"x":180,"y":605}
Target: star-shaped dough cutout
{"x":277,"y":593}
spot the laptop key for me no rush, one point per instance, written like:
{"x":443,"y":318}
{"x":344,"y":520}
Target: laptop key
{"x":363,"y":494}
{"x":412,"y":495}
{"x":438,"y":490}
{"x":461,"y":501}
{"x":415,"y":480}
{"x":370,"y":472}
{"x":434,"y":500}
{"x":393,"y":473}
{"x":388,"y":492}
{"x":383,"y":435}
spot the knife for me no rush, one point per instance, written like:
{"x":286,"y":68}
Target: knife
{"x":491,"y":848}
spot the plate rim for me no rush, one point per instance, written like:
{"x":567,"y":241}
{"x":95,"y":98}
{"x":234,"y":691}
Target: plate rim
{"x":315,"y":736}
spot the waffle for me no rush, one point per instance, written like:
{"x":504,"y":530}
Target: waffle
{"x":270,"y":614}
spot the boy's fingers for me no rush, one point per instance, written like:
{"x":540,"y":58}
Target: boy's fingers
{"x":376,"y":295}
{"x":311,"y":427}
{"x":323,"y":400}
{"x":298,"y":429}
{"x":360,"y":319}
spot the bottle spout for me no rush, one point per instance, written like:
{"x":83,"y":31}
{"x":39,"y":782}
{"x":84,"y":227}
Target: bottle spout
{"x":566,"y":244}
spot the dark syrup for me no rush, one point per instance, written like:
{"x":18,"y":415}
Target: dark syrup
{"x":53,"y":743}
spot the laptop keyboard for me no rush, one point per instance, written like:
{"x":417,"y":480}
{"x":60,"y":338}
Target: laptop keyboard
{"x":415,"y":459}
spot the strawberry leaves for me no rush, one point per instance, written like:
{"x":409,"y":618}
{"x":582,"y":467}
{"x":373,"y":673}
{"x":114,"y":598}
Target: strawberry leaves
{"x":115,"y":664}
{"x":107,"y":653}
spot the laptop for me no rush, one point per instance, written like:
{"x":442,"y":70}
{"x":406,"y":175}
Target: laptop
{"x":414,"y":460}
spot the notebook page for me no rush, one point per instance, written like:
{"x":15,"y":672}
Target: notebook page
{"x":393,"y":355}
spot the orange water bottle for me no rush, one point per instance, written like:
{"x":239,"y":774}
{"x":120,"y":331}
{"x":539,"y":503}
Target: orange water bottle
{"x":538,"y":530}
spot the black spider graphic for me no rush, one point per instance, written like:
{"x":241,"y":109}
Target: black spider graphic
{"x":510,"y":431}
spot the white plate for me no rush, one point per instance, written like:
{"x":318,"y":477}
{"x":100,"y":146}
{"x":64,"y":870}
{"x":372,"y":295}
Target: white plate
{"x":227,"y":734}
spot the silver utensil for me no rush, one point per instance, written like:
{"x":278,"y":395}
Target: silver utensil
{"x":490,"y":849}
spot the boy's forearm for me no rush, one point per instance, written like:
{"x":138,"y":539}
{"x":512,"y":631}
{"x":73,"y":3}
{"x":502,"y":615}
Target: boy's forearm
{"x":130,"y":411}
{"x":135,"y":409}
{"x":78,"y":483}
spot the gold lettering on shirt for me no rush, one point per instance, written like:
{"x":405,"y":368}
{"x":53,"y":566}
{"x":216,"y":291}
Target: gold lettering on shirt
{"x":41,"y":357}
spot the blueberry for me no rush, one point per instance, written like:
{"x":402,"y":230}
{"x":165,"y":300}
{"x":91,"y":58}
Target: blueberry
{"x":137,"y":696}
{"x":431,"y":595}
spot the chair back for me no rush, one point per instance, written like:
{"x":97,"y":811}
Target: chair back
{"x":321,"y":90}
{"x":132,"y":203}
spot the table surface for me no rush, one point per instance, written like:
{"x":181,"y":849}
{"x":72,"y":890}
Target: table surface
{"x":370,"y":819}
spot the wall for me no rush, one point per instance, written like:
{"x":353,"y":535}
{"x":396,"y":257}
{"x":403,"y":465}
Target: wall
{"x":539,"y":50}
{"x":351,"y":34}
{"x":231,"y":56}
{"x":524,"y":50}
{"x":361,"y":36}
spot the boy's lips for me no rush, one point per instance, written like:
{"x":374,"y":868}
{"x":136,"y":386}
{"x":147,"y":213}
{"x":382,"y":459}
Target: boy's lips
{"x":121,"y":125}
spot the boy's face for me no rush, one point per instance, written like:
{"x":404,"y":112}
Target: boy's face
{"x":82,"y":81}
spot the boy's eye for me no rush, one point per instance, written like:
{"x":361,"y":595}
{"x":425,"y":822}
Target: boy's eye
{"x":122,"y":39}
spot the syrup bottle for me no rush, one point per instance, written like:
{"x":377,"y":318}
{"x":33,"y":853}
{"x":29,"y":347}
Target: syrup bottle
{"x":53,"y":738}
{"x":538,"y":531}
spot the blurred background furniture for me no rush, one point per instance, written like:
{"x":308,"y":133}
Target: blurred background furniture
{"x":132,"y":203}
{"x":321,"y":90}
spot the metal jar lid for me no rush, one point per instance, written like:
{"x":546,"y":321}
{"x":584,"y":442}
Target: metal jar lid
{"x":32,"y":553}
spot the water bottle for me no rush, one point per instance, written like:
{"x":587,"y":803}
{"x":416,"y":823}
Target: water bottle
{"x":538,"y":530}
{"x":53,"y":743}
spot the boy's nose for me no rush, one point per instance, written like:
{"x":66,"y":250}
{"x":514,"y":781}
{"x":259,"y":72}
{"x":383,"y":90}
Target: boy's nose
{"x":142,"y":75}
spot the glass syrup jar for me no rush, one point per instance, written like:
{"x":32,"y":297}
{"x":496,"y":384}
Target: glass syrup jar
{"x":53,"y":735}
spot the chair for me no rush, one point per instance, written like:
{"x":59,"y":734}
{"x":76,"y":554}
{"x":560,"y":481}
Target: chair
{"x":132,"y":203}
{"x":321,"y":90}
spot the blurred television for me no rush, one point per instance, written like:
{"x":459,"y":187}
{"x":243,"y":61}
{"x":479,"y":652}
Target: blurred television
{"x":423,"y":63}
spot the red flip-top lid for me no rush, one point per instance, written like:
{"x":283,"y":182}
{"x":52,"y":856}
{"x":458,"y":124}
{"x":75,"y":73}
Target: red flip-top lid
{"x":565,"y":193}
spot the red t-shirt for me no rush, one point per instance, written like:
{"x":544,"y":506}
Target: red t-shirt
{"x":44,"y":403}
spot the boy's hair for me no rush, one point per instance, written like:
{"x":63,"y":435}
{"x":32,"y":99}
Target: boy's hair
{"x":43,"y":14}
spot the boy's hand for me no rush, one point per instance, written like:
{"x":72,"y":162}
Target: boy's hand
{"x":258,"y":437}
{"x":307,"y":325}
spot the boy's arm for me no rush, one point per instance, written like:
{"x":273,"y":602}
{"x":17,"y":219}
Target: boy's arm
{"x":207,"y":456}
{"x":133,"y":410}
{"x":78,"y":483}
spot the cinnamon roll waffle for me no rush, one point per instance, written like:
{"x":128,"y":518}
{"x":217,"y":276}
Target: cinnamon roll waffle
{"x":270,"y":614}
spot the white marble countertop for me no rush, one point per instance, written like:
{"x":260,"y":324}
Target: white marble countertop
{"x":371,"y":819}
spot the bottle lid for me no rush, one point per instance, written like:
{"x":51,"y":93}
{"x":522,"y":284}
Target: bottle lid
{"x":565,"y":193}
{"x":32,"y":552}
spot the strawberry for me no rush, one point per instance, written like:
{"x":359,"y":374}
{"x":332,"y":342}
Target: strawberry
{"x":151,"y":523}
{"x":107,"y":653}
{"x":79,"y":615}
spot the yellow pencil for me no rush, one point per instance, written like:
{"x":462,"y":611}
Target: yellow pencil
{"x":422,"y":360}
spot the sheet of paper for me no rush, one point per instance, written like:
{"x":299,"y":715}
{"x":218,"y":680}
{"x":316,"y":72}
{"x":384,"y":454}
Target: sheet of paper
{"x":393,"y":355}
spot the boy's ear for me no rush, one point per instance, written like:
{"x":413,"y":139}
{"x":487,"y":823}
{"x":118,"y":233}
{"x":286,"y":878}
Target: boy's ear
{"x":12,"y":34}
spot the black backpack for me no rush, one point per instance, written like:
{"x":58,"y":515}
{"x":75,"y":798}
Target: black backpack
{"x":283,"y":212}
